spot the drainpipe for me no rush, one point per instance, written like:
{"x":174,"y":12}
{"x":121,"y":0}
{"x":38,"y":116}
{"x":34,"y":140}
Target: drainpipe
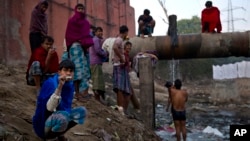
{"x":205,"y":45}
{"x":5,"y":11}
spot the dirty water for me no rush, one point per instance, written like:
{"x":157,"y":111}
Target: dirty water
{"x":204,"y":122}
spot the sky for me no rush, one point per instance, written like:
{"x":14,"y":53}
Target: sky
{"x":185,"y":9}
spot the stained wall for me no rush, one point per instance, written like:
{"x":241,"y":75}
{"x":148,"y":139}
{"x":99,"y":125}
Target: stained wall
{"x":15,"y":19}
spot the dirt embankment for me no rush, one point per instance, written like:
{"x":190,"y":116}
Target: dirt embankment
{"x":18,"y":101}
{"x":17,"y":105}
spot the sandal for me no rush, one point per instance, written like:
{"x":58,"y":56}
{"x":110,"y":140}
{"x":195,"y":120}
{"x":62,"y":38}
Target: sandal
{"x":62,"y":138}
{"x":80,"y":98}
{"x":83,"y":98}
{"x":87,"y":97}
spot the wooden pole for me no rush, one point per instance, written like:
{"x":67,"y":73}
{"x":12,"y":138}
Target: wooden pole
{"x":147,"y":99}
{"x":172,"y":30}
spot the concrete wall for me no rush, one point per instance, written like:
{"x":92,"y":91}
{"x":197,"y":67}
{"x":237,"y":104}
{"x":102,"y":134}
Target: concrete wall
{"x":15,"y":19}
{"x":231,"y":91}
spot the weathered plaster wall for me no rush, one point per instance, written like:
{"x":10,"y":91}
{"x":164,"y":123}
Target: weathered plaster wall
{"x":15,"y":19}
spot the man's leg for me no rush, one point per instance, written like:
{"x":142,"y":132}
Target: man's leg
{"x":86,"y":93}
{"x":81,"y":96}
{"x":77,"y":93}
{"x":126,"y":102}
{"x":60,"y":135}
{"x":177,"y":125}
{"x":77,"y":56}
{"x":141,"y":28}
{"x":152,"y":23}
{"x":97,"y":95}
{"x":35,"y":73}
{"x":120,"y":100}
{"x":56,"y":124}
{"x":134,"y":100}
{"x":37,"y":79}
{"x":183,"y":129}
{"x":60,"y":122}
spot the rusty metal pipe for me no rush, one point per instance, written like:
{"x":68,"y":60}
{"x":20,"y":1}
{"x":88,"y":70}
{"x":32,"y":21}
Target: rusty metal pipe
{"x":205,"y":45}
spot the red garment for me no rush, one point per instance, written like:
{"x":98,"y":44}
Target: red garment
{"x":78,"y":29}
{"x":127,"y":62}
{"x":210,"y":17}
{"x":38,"y":21}
{"x":40,"y":54}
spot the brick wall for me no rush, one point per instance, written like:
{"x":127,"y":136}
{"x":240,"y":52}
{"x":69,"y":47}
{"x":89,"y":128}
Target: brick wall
{"x":15,"y":19}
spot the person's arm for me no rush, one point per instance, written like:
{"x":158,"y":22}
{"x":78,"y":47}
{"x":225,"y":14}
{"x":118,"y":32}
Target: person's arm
{"x":140,"y":18}
{"x":117,"y":52}
{"x":202,"y":22}
{"x":54,"y":99}
{"x":169,"y":99}
{"x":186,"y":96}
{"x":150,"y":21}
{"x":98,"y":49}
{"x":48,"y":59}
{"x":219,"y":27}
{"x":169,"y":86}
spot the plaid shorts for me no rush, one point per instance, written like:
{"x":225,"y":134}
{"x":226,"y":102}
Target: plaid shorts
{"x":121,"y":80}
{"x":82,"y":66}
{"x":35,"y":69}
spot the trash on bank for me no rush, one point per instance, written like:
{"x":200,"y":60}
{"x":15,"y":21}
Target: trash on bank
{"x":167,"y":128}
{"x":211,"y":130}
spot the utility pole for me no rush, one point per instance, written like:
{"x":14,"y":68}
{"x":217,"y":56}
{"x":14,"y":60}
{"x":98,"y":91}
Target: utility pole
{"x":230,"y":17}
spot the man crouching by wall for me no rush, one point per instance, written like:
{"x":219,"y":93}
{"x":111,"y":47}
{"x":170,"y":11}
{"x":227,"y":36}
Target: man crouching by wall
{"x":54,"y":116}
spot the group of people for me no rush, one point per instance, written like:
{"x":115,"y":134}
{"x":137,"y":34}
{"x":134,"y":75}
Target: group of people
{"x":58,"y":82}
{"x":177,"y":98}
{"x":54,"y":80}
{"x":210,"y":21}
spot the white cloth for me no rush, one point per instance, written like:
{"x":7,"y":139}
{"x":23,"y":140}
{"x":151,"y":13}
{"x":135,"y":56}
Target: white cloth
{"x":217,"y":72}
{"x":136,"y":61}
{"x":229,"y":71}
{"x":211,"y":130}
{"x":53,"y":102}
{"x":241,"y":69}
{"x":108,"y":46}
{"x":232,"y":71}
{"x":247,"y":72}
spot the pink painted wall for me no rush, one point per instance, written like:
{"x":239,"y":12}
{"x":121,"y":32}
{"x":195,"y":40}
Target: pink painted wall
{"x":15,"y":19}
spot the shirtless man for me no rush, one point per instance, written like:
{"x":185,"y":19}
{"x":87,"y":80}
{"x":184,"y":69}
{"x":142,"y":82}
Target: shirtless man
{"x":177,"y":99}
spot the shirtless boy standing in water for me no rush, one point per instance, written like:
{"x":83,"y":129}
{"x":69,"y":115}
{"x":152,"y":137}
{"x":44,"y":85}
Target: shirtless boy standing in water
{"x":177,"y":99}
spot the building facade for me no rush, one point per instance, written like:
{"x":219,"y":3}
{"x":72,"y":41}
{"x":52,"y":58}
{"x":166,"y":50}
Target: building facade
{"x":15,"y":20}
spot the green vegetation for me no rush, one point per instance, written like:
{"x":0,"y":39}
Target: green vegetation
{"x":186,"y":26}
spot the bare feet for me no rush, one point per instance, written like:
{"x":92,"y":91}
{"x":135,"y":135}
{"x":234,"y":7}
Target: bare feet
{"x":142,"y":35}
{"x":82,"y":98}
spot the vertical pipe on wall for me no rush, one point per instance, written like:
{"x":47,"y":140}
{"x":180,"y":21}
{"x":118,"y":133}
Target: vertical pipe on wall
{"x":125,"y":7}
{"x":119,"y":16}
{"x":4,"y":36}
{"x":108,"y":19}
